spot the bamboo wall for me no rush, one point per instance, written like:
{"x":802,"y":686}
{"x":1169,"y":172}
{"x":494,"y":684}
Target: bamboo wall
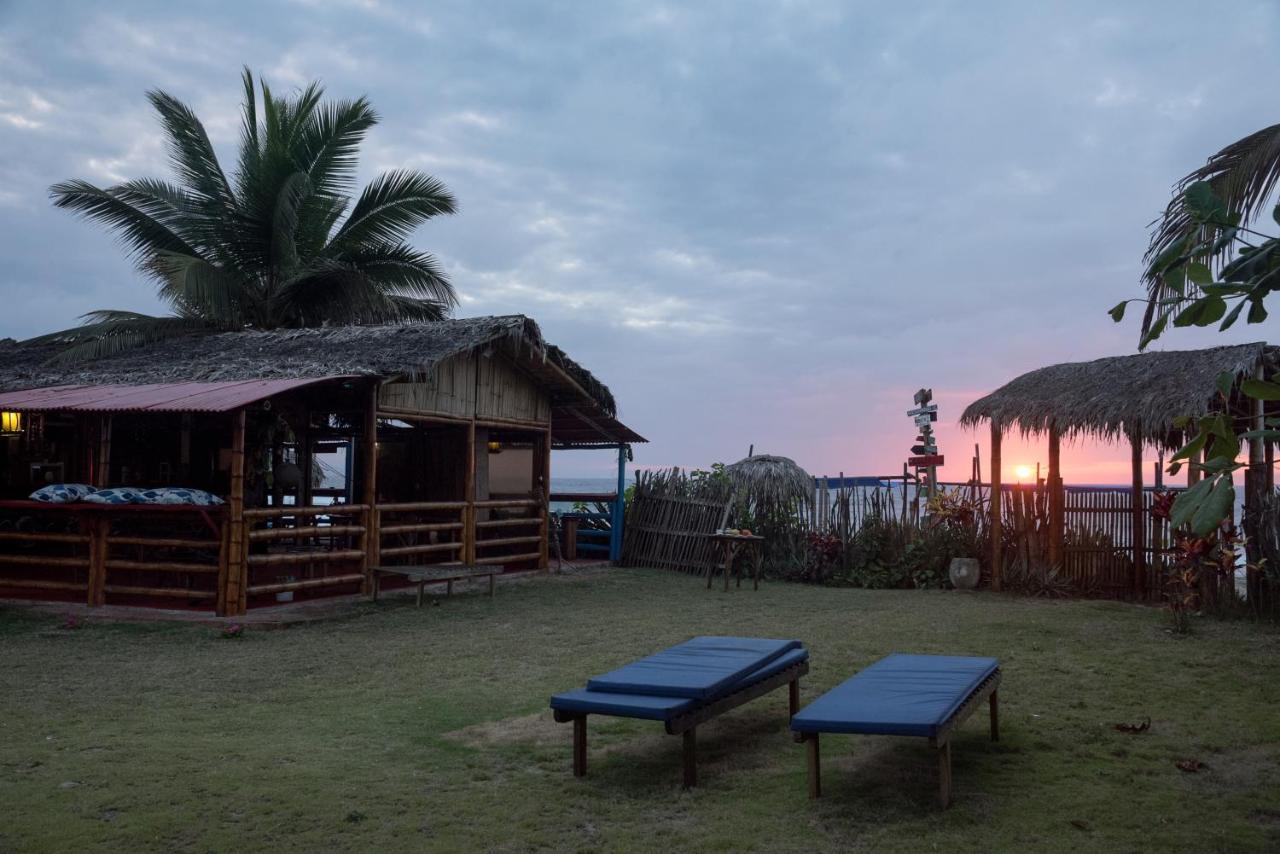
{"x":489,"y":388}
{"x":450,"y":389}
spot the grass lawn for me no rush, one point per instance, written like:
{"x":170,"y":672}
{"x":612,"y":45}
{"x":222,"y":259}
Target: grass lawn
{"x":400,"y":729}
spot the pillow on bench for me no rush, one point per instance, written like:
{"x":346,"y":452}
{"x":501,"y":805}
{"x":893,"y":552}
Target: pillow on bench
{"x":61,"y":493}
{"x":177,"y":495}
{"x":114,"y":495}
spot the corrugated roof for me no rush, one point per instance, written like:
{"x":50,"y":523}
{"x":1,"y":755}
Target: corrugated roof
{"x":152,"y":397}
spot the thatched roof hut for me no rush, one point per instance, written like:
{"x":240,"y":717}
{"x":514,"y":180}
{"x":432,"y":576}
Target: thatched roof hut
{"x":411,"y":349}
{"x":1112,"y":398}
{"x":769,"y":480}
{"x":1132,"y":398}
{"x":585,"y":408}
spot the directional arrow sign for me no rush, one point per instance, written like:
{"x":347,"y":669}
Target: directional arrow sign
{"x":924,"y":449}
{"x":926,"y":420}
{"x":933,"y":407}
{"x":925,"y":462}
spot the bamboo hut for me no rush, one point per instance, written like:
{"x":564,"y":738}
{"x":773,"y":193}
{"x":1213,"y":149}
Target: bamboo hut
{"x":440,"y":435}
{"x":1134,"y":399}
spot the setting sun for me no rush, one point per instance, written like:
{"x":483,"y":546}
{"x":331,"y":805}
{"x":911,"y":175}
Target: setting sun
{"x":1023,"y":472}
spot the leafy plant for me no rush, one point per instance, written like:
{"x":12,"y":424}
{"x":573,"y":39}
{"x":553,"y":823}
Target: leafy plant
{"x":277,"y":244}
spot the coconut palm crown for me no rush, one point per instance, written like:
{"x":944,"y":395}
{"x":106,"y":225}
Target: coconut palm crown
{"x":276,"y":244}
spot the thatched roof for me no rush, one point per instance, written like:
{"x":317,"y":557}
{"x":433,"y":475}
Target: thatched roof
{"x":405,"y":350}
{"x":764,"y":479}
{"x":1109,"y":398}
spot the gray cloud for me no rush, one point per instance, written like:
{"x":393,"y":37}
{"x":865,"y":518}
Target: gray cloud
{"x":760,"y":223}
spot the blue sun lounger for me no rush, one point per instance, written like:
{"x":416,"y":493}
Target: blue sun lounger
{"x":683,"y":686}
{"x":913,"y":695}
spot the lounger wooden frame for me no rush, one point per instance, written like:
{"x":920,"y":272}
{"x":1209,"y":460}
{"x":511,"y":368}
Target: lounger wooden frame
{"x":686,"y":724}
{"x":986,"y":690}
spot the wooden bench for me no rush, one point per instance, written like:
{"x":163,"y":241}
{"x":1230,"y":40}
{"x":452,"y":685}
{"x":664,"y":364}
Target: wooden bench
{"x":437,"y":574}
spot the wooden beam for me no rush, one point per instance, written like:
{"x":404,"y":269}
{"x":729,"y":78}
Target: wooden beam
{"x":1138,"y":520}
{"x":1057,"y":518}
{"x":233,"y":594}
{"x":544,"y":555}
{"x":369,"y":497}
{"x":102,"y":466}
{"x":689,"y":752}
{"x":814,"y":761}
{"x":469,"y":495}
{"x":580,"y":746}
{"x":997,"y":499}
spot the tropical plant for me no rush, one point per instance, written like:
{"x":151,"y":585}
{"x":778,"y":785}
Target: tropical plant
{"x":276,"y":244}
{"x":1202,"y":258}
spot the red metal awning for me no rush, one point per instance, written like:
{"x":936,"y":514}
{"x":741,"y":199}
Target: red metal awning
{"x":153,"y":397}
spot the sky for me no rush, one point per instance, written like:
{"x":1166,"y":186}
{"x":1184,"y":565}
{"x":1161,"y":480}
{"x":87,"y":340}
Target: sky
{"x":761,"y":224}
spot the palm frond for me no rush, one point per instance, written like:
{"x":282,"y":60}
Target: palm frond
{"x":328,"y":148}
{"x":406,"y":270}
{"x":107,"y":332}
{"x":1244,"y":175}
{"x":392,"y":206}
{"x":250,"y":145}
{"x":142,"y":232}
{"x":191,"y":152}
{"x":284,"y":222}
{"x":196,"y":288}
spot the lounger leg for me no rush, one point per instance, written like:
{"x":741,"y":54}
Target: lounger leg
{"x":944,"y":774}
{"x":793,"y":697}
{"x":491,"y":583}
{"x":580,"y":746}
{"x":690,"y":758}
{"x":448,"y":587}
{"x":377,"y":583}
{"x":995,"y":715}
{"x":815,"y":767}
{"x":421,"y":586}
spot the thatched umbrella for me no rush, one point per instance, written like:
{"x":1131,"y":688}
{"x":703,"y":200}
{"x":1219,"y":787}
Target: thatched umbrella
{"x":766,"y":481}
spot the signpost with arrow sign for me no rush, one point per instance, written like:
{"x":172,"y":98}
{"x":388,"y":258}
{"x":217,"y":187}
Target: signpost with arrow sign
{"x":924,"y":454}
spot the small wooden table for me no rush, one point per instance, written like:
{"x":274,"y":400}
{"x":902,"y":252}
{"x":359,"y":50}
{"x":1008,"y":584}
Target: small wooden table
{"x":424,"y":575}
{"x":730,"y":546}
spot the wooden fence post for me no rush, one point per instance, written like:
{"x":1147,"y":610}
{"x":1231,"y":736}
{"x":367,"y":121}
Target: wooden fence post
{"x":997,"y":529}
{"x":1057,"y":527}
{"x":1138,"y":537}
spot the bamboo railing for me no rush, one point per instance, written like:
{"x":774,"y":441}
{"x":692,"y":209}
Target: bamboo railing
{"x":330,"y":555}
{"x":128,"y":550}
{"x":507,"y":547}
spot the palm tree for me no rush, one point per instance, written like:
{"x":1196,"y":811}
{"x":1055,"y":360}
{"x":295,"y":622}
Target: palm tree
{"x":271,"y":246}
{"x":1243,"y":176}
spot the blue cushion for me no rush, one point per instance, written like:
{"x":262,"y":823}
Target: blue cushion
{"x":61,"y":493}
{"x":658,"y":708}
{"x":898,"y":695}
{"x":178,"y":495}
{"x":697,"y":668}
{"x":114,"y":495}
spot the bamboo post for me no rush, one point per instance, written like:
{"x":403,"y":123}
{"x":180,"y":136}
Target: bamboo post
{"x":615,"y":533}
{"x":469,"y":495}
{"x":1139,"y":580}
{"x":97,"y":527}
{"x":544,"y":557}
{"x":102,"y":470}
{"x":233,"y":593}
{"x":1056,"y":515}
{"x":369,"y":461}
{"x":997,"y":529}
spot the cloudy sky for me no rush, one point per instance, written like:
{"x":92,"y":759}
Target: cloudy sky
{"x":759,"y":223}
